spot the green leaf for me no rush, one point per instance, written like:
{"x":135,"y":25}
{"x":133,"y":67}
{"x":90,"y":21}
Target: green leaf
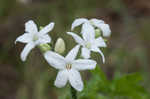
{"x":97,"y":84}
{"x":98,"y":71}
{"x":128,"y":85}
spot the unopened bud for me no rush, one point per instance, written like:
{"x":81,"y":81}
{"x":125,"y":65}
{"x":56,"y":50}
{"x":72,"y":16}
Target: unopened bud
{"x":44,"y":48}
{"x":60,"y":46}
{"x":41,"y":27}
{"x":97,"y":33}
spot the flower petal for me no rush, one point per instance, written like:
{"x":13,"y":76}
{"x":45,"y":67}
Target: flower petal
{"x":47,"y":28}
{"x":77,"y":38}
{"x":75,"y":80}
{"x":26,"y":50}
{"x":30,"y":27}
{"x":78,"y":22}
{"x":99,"y":42}
{"x":73,"y":53}
{"x":85,"y":52}
{"x":105,"y":29}
{"x":96,"y":22}
{"x":83,"y":64}
{"x":44,"y":39}
{"x":99,"y":51}
{"x":55,"y":60}
{"x":88,"y":32}
{"x":61,"y":79}
{"x":25,"y":38}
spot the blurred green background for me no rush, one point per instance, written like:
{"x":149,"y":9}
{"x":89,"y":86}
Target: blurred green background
{"x":128,"y":48}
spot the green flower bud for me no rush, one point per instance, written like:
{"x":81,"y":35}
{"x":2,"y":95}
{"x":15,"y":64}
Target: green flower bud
{"x":60,"y":46}
{"x":98,"y":33}
{"x":44,"y":47}
{"x":41,"y":27}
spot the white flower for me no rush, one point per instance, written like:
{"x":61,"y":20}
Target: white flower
{"x":95,"y":23}
{"x":33,"y":38}
{"x":89,"y":42}
{"x":69,"y":68}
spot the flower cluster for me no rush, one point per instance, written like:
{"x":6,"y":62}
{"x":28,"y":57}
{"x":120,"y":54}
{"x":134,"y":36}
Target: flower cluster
{"x":90,"y":42}
{"x":68,"y":66}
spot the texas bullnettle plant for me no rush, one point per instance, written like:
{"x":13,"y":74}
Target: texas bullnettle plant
{"x":93,"y":33}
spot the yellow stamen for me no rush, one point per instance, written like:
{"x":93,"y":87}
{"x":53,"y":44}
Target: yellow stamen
{"x":68,"y":66}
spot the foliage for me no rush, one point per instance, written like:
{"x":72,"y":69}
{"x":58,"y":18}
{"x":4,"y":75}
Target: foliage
{"x":127,"y":86}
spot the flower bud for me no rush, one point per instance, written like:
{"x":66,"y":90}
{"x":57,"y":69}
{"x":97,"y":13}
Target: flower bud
{"x":41,"y":27}
{"x":60,"y":46}
{"x":44,"y":47}
{"x":97,"y":33}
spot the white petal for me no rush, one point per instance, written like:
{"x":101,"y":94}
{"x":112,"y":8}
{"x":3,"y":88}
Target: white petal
{"x":85,"y":52}
{"x":75,"y":80}
{"x":103,"y":58}
{"x":88,"y":32}
{"x":99,"y":51}
{"x":78,"y":22}
{"x":61,"y":79}
{"x":31,"y":27}
{"x":83,"y":64}
{"x":47,"y":28}
{"x":73,"y":53}
{"x":96,"y":22}
{"x":44,"y":39}
{"x":26,"y":50}
{"x":55,"y":60}
{"x":25,"y":38}
{"x":77,"y":38}
{"x":99,"y":42}
{"x":105,"y":29}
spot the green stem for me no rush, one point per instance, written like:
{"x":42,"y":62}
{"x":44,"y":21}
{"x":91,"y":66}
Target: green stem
{"x":73,"y":93}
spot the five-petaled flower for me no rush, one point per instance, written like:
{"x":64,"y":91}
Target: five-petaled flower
{"x":100,"y":24}
{"x":33,"y":38}
{"x":89,"y":42}
{"x":69,"y":67}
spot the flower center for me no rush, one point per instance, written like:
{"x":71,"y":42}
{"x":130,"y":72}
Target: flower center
{"x":88,"y":45}
{"x":68,"y":66}
{"x":35,"y":37}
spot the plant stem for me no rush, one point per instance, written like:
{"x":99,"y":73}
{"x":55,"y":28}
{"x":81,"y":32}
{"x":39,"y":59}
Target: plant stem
{"x":73,"y":93}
